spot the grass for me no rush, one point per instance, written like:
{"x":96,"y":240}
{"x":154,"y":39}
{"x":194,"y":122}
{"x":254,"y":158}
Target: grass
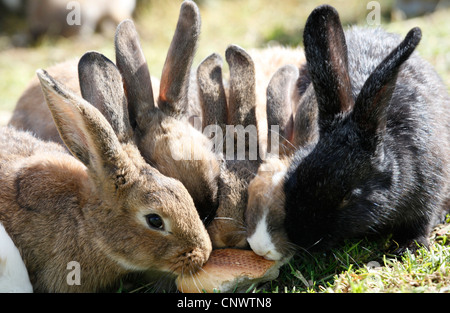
{"x":258,"y":23}
{"x":363,"y":267}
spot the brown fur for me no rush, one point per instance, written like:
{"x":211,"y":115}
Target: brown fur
{"x":57,"y":209}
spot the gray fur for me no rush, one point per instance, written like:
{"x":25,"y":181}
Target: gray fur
{"x":101,"y":85}
{"x":133,"y":67}
{"x":211,"y":90}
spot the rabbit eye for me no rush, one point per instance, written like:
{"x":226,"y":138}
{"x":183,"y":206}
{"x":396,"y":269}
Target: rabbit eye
{"x":346,"y":200}
{"x":155,"y":221}
{"x":349,"y":197}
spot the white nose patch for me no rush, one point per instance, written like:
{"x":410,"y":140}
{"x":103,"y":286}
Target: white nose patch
{"x":261,"y":242}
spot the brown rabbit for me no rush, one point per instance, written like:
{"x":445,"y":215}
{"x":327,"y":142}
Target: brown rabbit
{"x":265,"y":212}
{"x":109,"y":211}
{"x":240,"y":105}
{"x":162,"y":132}
{"x":227,"y":229}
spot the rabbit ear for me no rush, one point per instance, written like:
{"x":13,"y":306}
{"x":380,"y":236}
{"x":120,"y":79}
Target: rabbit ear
{"x":176,"y":71}
{"x":306,"y":128}
{"x":327,"y":60}
{"x":133,"y":66}
{"x":84,"y":130}
{"x":279,"y":102}
{"x":376,"y":93}
{"x":101,"y":85}
{"x":212,"y":93}
{"x":242,"y":98}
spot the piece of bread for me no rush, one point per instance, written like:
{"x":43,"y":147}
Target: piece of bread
{"x":229,"y":270}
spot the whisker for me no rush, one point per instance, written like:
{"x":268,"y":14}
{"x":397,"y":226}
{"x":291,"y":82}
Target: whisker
{"x":224,"y":218}
{"x":195,"y":281}
{"x":239,"y":223}
{"x":182,"y":279}
{"x":285,"y":140}
{"x":316,"y":243}
{"x":197,"y":274}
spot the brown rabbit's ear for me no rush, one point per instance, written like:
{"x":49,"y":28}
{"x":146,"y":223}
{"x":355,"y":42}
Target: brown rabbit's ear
{"x":84,"y":130}
{"x":211,"y":92}
{"x":133,"y":66}
{"x":306,"y":122}
{"x":174,"y":82}
{"x":101,"y":85}
{"x":280,"y":103}
{"x":327,"y":60}
{"x":242,"y":98}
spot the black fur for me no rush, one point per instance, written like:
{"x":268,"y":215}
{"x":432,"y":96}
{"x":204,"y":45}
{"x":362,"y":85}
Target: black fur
{"x":381,"y":164}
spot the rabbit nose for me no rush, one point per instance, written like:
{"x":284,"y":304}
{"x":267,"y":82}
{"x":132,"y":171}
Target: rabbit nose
{"x":261,"y":242}
{"x":267,"y":252}
{"x":194,"y":259}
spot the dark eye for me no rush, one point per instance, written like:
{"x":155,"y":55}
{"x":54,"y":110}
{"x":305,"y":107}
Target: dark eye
{"x":349,"y":197}
{"x":155,"y":221}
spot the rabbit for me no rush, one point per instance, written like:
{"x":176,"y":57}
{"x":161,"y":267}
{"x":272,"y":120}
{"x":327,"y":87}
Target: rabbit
{"x":13,"y":273}
{"x":55,"y":17}
{"x":162,"y":130}
{"x":380,"y":162}
{"x":165,"y":135}
{"x":239,"y":102}
{"x":227,"y":229}
{"x":265,"y":214}
{"x":103,"y":207}
{"x":267,"y":62}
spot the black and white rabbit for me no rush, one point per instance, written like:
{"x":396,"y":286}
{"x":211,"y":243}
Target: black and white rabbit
{"x":381,"y":162}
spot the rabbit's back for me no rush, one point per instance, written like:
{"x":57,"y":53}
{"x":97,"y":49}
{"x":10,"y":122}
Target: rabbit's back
{"x":21,"y":144}
{"x":418,"y":117}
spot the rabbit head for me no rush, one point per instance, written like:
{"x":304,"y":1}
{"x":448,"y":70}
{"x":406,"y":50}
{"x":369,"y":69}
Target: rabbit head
{"x":265,"y":213}
{"x":163,"y":132}
{"x":110,"y":211}
{"x":378,"y":140}
{"x":235,"y":130}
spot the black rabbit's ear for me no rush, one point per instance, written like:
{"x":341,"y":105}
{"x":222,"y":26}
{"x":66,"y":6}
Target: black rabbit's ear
{"x":176,"y":71}
{"x":327,"y":60}
{"x":132,"y":65}
{"x":101,"y":85}
{"x":375,"y":95}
